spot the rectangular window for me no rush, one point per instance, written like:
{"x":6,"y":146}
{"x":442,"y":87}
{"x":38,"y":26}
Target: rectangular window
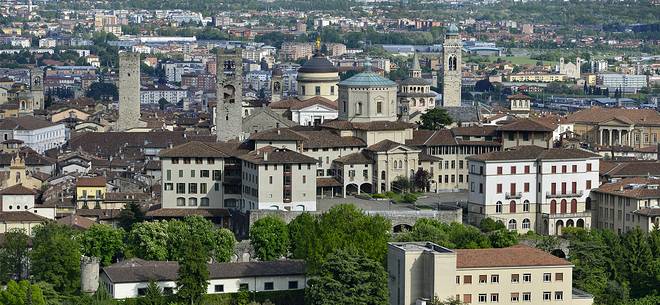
{"x":547,"y":296}
{"x":515,"y":278}
{"x":293,"y":284}
{"x":270,"y":179}
{"x":494,"y":278}
{"x":217,"y":175}
{"x":483,"y":279}
{"x":192,"y":173}
{"x":554,"y":169}
{"x":458,"y":279}
{"x":304,"y":179}
{"x":202,"y":188}
{"x":574,"y":188}
{"x":527,"y":296}
{"x":467,"y":279}
{"x":547,"y":277}
{"x":515,"y":297}
{"x":527,"y":278}
{"x":186,"y":160}
{"x":169,"y":186}
{"x":244,"y":287}
{"x":559,"y":277}
{"x":180,"y":173}
{"x":169,"y":175}
{"x":269,"y":286}
{"x":204,"y":173}
{"x":526,"y":186}
{"x":513,"y":170}
{"x":482,"y":298}
{"x":175,"y":160}
{"x":563,"y":169}
{"x":219,"y":288}
{"x":467,"y":298}
{"x":210,"y":160}
{"x":499,"y":170}
{"x":526,"y":169}
{"x":588,"y":184}
{"x":199,"y":161}
{"x":142,"y":291}
{"x":317,"y":90}
{"x":379,"y":107}
{"x":494,"y":297}
{"x":192,"y":188}
{"x":574,"y":169}
{"x":499,"y":188}
{"x":180,"y":188}
{"x":559,"y":295}
{"x":588,"y":167}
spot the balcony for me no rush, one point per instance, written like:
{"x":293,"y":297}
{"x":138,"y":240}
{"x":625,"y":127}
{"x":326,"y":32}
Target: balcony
{"x":516,"y":195}
{"x":570,"y":194}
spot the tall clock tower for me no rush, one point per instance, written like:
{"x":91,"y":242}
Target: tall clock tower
{"x":229,"y":94}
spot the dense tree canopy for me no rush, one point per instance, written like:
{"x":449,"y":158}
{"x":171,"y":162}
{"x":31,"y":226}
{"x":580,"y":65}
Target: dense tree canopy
{"x":14,"y":255}
{"x":20,"y":293}
{"x":55,"y":257}
{"x":102,"y":241}
{"x":270,"y":238}
{"x":348,"y":277}
{"x":435,"y":118}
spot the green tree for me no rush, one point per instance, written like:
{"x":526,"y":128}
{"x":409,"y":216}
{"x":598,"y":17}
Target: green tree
{"x":102,"y":241}
{"x":401,"y":184}
{"x":302,"y":233}
{"x":102,"y":297}
{"x":348,"y":277}
{"x":14,"y":255}
{"x":103,"y":91}
{"x":219,"y":243}
{"x":489,"y":225}
{"x":131,"y":213}
{"x":422,"y":179}
{"x":503,"y":238}
{"x":436,"y":118}
{"x":21,"y":293}
{"x":148,"y":240}
{"x":224,"y":241}
{"x":193,"y":277}
{"x":637,"y":263}
{"x":153,"y":296}
{"x":55,"y":257}
{"x":270,"y":238}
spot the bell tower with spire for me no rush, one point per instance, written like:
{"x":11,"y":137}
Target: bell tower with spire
{"x":416,"y":70}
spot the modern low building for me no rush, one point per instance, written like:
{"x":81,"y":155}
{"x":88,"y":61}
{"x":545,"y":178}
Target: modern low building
{"x":129,"y":279}
{"x":420,"y":271}
{"x":628,"y":203}
{"x":532,"y":188}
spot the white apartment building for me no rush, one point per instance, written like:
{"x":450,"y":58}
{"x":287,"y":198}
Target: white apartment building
{"x":420,"y":271}
{"x":628,"y":203}
{"x":152,"y":94}
{"x":278,"y":179}
{"x":174,"y":70}
{"x":130,"y":278}
{"x":533,"y":188}
{"x":38,"y":134}
{"x":626,"y":82}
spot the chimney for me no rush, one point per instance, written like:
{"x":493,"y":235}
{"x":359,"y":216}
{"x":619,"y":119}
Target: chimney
{"x":278,"y":132}
{"x":265,"y":156}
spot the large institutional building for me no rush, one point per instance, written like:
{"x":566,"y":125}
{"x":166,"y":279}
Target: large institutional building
{"x":418,"y":272}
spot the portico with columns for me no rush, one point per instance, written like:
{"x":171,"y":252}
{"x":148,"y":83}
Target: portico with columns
{"x":610,"y":135}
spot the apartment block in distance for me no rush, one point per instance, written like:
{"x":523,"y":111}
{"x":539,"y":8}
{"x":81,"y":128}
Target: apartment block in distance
{"x":418,"y":272}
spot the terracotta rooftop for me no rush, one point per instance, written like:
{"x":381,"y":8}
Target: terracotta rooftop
{"x":91,"y":181}
{"x":632,"y":188}
{"x":17,"y":189}
{"x":532,"y":152}
{"x":76,"y":222}
{"x":526,"y":125}
{"x":272,"y":155}
{"x":516,"y":256}
{"x":354,"y":158}
{"x":630,"y":116}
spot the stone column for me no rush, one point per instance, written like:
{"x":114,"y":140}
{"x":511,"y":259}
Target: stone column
{"x":611,"y":134}
{"x":600,"y":139}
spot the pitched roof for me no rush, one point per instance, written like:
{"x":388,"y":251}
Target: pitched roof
{"x":76,"y":222}
{"x":328,"y":139}
{"x":277,"y":134}
{"x":368,"y":126}
{"x":317,"y":100}
{"x":632,"y":187}
{"x":91,"y":181}
{"x":475,"y":131}
{"x":193,"y":149}
{"x":631,"y":116}
{"x":21,"y":216}
{"x":526,"y":125}
{"x":17,"y":189}
{"x":272,"y":155}
{"x":532,"y":152}
{"x":384,"y":145}
{"x":630,"y":168}
{"x":137,"y":270}
{"x":354,"y":158}
{"x":516,"y":256}
{"x":24,"y":123}
{"x":432,"y":138}
{"x":327,"y":182}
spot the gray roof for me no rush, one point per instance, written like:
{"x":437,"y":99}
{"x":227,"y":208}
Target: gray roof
{"x":318,"y":64}
{"x":138,"y":270}
{"x":367,"y":79}
{"x":463,"y":113}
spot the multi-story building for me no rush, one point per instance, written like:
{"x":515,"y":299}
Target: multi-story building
{"x":292,"y":51}
{"x":538,"y":78}
{"x":533,"y":188}
{"x":279,"y":179}
{"x":628,"y":203}
{"x":198,"y":81}
{"x":153,"y":93}
{"x":90,"y":192}
{"x":617,"y":126}
{"x":625,"y":82}
{"x":35,"y":133}
{"x":418,"y":272}
{"x":174,"y":70}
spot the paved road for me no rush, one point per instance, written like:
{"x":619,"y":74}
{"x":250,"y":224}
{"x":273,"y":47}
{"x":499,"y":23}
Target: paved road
{"x":378,"y":205}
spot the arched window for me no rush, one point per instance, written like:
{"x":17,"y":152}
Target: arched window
{"x":400,"y":164}
{"x":180,"y":201}
{"x":588,"y":203}
{"x":512,"y":206}
{"x":382,"y":175}
{"x":192,"y":201}
{"x":526,"y":223}
{"x":512,"y":224}
{"x":498,"y":207}
{"x":526,"y":206}
{"x":553,"y":207}
{"x":204,"y":202}
{"x":574,"y":206}
{"x":564,"y":206}
{"x":358,"y":108}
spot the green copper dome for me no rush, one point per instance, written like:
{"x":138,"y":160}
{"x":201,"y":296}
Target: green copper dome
{"x":367,"y":79}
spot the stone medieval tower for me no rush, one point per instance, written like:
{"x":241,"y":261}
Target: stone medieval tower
{"x":129,"y":91}
{"x":229,"y":92}
{"x":37,"y":88}
{"x":451,"y":72}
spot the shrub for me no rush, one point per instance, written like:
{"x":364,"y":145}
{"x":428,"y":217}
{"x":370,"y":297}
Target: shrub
{"x":409,"y":198}
{"x":379,"y":196}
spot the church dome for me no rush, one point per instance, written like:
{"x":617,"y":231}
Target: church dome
{"x":318,"y":64}
{"x":367,"y":79}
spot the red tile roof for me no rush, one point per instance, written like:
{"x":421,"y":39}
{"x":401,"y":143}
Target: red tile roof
{"x":516,"y":256}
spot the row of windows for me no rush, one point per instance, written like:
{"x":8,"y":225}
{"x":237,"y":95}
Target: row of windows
{"x":205,"y":173}
{"x":553,"y":169}
{"x":460,"y":150}
{"x":512,"y":206}
{"x":193,"y":188}
{"x":192,"y":201}
{"x":515,"y":278}
{"x":515,"y":297}
{"x":197,"y":160}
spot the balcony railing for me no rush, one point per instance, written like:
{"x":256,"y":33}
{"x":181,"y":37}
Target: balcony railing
{"x":517,"y":195}
{"x":558,"y":195}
